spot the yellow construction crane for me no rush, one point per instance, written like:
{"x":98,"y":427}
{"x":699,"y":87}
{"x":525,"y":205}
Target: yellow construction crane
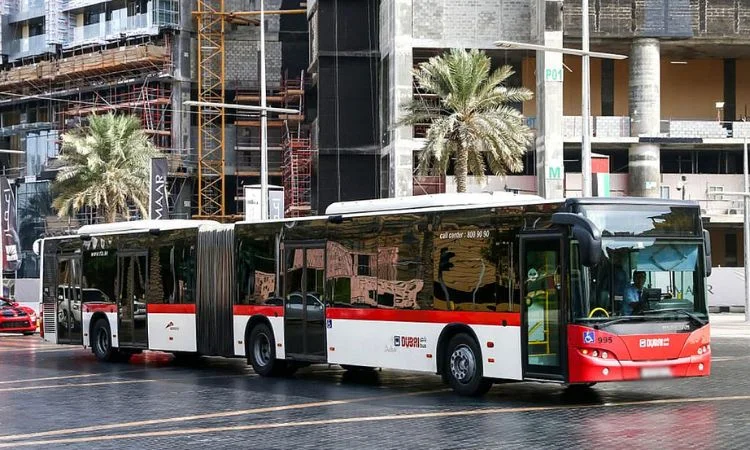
{"x":212,"y":20}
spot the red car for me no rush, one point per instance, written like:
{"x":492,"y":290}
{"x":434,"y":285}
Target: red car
{"x":15,"y":318}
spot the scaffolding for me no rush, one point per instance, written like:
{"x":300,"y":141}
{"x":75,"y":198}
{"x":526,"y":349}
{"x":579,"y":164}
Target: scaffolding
{"x":150,"y":102}
{"x":298,"y":166}
{"x":290,"y":153}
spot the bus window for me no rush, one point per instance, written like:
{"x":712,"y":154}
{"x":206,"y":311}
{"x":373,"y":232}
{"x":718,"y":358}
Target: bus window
{"x":473,"y":271}
{"x":256,"y":272}
{"x":172,"y":267}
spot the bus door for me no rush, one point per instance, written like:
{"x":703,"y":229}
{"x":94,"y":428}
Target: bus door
{"x":542,"y":317}
{"x":132,"y":286}
{"x":304,"y":304}
{"x":69,"y":320}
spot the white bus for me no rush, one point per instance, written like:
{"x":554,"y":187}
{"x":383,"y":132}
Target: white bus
{"x":474,"y":287}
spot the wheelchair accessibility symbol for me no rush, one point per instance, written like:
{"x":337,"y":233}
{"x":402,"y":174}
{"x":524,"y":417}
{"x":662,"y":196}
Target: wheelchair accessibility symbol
{"x":588,"y":337}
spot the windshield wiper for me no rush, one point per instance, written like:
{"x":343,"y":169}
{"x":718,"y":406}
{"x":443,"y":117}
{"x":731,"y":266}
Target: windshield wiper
{"x":691,"y":315}
{"x":607,"y":323}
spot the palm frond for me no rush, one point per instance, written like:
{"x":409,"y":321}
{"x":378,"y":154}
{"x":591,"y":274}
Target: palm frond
{"x":106,"y":167}
{"x":473,"y":114}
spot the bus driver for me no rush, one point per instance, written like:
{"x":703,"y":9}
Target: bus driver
{"x":632,"y":296}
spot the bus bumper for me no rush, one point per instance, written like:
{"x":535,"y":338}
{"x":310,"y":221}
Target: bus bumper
{"x":588,"y":369}
{"x":596,"y":362}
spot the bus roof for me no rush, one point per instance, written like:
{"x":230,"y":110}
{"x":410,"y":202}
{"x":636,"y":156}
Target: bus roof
{"x":630,"y":201}
{"x":144,"y":225}
{"x":496,"y":198}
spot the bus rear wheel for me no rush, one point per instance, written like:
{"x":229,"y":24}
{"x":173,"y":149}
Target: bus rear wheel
{"x":261,"y":353}
{"x":101,"y":342}
{"x":463,"y":366}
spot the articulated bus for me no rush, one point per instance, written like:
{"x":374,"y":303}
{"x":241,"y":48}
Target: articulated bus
{"x":478,"y":288}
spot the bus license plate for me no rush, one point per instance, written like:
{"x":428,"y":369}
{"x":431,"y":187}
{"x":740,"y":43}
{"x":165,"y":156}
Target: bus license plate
{"x":656,"y":372}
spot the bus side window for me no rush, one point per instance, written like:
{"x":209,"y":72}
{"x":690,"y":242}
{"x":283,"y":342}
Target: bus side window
{"x":256,"y":272}
{"x":473,"y":271}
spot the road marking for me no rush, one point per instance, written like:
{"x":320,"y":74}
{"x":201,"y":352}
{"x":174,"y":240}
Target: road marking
{"x":65,"y":377}
{"x":30,"y":380}
{"x":391,"y":417}
{"x":222,"y":414}
{"x":728,"y":358}
{"x":33,"y":350}
{"x":70,"y":385}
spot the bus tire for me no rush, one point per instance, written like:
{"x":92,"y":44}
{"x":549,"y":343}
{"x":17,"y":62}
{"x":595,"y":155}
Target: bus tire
{"x":463,"y":366}
{"x":261,"y":352}
{"x":101,"y":343}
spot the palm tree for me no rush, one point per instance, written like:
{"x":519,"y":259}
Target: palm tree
{"x":472,"y":120}
{"x":105,"y":168}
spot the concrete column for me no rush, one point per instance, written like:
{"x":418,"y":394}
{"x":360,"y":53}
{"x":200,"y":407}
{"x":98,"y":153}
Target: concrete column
{"x":400,"y":92}
{"x":644,"y":175}
{"x":182,"y":83}
{"x":550,"y":172}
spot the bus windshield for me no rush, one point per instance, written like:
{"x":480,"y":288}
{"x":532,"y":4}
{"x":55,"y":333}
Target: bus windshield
{"x":641,"y":278}
{"x":645,"y":220}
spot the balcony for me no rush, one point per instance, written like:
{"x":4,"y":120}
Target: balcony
{"x":26,"y":47}
{"x":112,"y":29}
{"x":87,"y":34}
{"x":616,"y":129}
{"x":27,"y":9}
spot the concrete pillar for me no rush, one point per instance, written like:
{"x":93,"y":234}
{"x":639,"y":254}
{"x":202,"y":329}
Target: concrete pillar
{"x":400,"y":91}
{"x":645,"y":115}
{"x":550,"y":173}
{"x":182,"y":83}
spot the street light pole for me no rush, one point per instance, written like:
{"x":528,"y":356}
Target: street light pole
{"x":746,"y":226}
{"x":263,"y":120}
{"x":746,"y":230}
{"x":585,"y":103}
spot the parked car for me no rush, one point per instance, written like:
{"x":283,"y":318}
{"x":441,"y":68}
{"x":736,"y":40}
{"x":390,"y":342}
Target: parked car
{"x":15,"y":318}
{"x":68,"y":306}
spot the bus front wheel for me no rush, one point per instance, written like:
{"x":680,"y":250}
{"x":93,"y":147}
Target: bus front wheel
{"x":101,"y":344}
{"x":261,"y":352}
{"x":463,"y":366}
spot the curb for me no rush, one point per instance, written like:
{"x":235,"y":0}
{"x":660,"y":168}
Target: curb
{"x":726,"y":309}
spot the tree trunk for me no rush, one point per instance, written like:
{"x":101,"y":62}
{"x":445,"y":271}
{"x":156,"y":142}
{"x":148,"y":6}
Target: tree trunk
{"x":110,"y":215}
{"x":462,"y":168}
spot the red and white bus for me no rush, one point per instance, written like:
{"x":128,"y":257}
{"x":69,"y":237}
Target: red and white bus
{"x":475,"y":287}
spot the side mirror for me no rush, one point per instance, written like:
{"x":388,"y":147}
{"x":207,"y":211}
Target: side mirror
{"x":707,"y":262}
{"x":586,"y":233}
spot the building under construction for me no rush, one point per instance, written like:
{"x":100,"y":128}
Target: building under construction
{"x":63,"y":60}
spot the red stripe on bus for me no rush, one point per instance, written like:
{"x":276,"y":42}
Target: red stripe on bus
{"x":426,"y":316}
{"x":166,"y":308}
{"x":100,"y":307}
{"x":263,"y":310}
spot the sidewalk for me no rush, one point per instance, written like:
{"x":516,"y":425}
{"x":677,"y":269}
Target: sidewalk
{"x":729,"y":325}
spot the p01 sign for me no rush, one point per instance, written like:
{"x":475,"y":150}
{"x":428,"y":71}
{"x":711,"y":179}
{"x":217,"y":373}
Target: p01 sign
{"x":553,"y":74}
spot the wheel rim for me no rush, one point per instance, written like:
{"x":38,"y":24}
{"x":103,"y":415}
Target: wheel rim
{"x":102,"y":341}
{"x":262,"y":349}
{"x":463,"y":364}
